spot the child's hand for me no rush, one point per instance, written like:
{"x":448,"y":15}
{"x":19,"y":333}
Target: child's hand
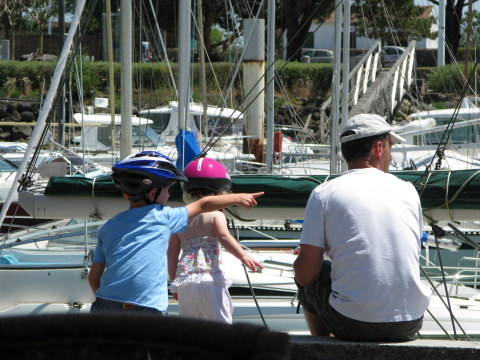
{"x":251,"y":263}
{"x":248,"y":201}
{"x":175,"y":296}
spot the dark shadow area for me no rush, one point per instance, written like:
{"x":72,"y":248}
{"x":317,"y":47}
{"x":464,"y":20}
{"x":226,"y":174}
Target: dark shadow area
{"x":132,"y":336}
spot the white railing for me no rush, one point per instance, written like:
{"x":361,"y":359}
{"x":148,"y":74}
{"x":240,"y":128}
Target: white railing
{"x":360,"y":77}
{"x":388,"y":90}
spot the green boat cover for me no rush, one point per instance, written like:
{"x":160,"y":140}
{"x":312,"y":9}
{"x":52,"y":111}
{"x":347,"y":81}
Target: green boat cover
{"x":441,"y":189}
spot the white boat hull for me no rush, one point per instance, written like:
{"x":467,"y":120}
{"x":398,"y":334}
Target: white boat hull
{"x":37,"y":281}
{"x":41,"y":206}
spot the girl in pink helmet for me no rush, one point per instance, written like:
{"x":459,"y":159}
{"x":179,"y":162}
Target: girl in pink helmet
{"x":197,"y":279}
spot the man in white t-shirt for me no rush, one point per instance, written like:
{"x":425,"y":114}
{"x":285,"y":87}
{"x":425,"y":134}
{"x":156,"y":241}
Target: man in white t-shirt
{"x":369,"y":223}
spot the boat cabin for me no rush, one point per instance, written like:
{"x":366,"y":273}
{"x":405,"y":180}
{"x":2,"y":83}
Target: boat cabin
{"x":96,"y":132}
{"x":220,"y":121}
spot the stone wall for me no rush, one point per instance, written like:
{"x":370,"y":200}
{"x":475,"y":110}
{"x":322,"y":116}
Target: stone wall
{"x":11,"y":113}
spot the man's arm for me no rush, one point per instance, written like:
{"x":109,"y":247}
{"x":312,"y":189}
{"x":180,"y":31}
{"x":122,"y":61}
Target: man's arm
{"x":308,"y":264}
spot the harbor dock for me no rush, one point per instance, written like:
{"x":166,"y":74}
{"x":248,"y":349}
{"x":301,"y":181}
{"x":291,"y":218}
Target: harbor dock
{"x":327,"y":348}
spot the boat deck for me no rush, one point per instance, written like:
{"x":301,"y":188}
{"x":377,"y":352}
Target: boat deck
{"x":325,"y":348}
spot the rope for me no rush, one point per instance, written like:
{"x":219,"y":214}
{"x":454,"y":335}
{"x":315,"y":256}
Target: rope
{"x":437,"y":231}
{"x":452,"y":316}
{"x":440,"y":152}
{"x":96,"y":213}
{"x":238,"y":217}
{"x":456,"y":194}
{"x":248,"y":280}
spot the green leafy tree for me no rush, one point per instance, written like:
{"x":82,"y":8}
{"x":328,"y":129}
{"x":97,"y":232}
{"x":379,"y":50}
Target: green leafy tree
{"x":293,"y":18}
{"x":454,"y":10}
{"x":475,"y":35}
{"x":38,"y":11}
{"x":393,"y":22}
{"x":298,"y":16}
{"x":11,"y":14}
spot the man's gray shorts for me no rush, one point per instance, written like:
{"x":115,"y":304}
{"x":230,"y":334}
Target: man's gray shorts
{"x":315,"y":299}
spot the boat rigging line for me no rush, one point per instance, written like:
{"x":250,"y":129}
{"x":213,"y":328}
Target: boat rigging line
{"x":26,"y":178}
{"x":237,"y":236}
{"x":440,"y":152}
{"x":438,"y":232}
{"x":272,"y":62}
{"x":452,"y":316}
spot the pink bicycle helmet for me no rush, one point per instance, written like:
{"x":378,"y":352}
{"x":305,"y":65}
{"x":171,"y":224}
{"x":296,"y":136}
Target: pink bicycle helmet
{"x":207,"y":174}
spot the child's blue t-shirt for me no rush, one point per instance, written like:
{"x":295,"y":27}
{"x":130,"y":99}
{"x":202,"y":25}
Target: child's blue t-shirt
{"x":133,"y":245}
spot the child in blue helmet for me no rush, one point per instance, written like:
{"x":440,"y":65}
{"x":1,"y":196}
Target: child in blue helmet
{"x":129,"y":269}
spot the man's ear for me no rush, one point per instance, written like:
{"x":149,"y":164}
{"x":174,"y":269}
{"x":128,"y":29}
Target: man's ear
{"x":376,"y":150}
{"x":378,"y":147}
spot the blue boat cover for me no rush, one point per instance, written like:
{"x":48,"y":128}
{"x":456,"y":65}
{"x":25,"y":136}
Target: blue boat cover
{"x":187,"y":148}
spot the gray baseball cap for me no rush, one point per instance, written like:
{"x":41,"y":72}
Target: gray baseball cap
{"x":365,"y":125}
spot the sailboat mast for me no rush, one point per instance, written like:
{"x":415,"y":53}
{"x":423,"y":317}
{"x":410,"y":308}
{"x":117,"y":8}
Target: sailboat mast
{"x":111,"y":77}
{"x":254,"y":86}
{"x":203,"y":75}
{"x":126,"y":78}
{"x":441,"y":33}
{"x":270,"y":84}
{"x":184,"y":62}
{"x":469,"y":33}
{"x":61,"y":40}
{"x":334,"y":141}
{"x":184,"y":37}
{"x":345,"y":72}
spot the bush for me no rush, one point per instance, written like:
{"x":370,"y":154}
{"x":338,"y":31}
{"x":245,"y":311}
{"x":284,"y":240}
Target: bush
{"x":155,"y":77}
{"x":448,"y":79}
{"x":33,"y":74}
{"x":426,"y":57}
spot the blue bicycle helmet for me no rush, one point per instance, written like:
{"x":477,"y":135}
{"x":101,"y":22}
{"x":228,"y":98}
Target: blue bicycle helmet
{"x":137,"y":174}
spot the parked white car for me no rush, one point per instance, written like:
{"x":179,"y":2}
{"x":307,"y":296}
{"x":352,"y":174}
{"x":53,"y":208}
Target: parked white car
{"x":317,"y":55}
{"x":390,"y":54}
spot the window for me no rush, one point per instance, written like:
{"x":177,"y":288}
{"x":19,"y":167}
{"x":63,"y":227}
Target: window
{"x":160,"y":120}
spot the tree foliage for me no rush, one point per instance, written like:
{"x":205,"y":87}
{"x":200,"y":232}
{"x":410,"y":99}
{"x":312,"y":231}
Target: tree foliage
{"x":294,"y":18}
{"x":393,"y":22}
{"x":454,"y":10}
{"x":38,"y":11}
{"x":10,"y":15}
{"x":475,"y":30}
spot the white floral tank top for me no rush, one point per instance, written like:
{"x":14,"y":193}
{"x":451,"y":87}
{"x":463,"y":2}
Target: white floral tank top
{"x":199,"y":262}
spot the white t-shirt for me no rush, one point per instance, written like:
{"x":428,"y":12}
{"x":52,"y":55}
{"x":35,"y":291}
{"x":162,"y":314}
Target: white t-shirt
{"x":370,"y":224}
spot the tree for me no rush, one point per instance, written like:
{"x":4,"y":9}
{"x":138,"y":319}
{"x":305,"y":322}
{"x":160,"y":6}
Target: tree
{"x":296,"y":16}
{"x":38,"y":11}
{"x":393,"y":22}
{"x":11,"y":13}
{"x":292,"y":16}
{"x":453,"y":18}
{"x":475,"y":35}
